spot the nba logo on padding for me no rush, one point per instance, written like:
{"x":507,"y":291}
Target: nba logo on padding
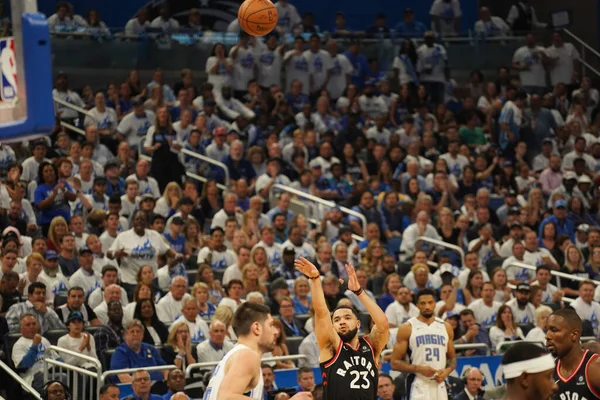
{"x":8,"y":68}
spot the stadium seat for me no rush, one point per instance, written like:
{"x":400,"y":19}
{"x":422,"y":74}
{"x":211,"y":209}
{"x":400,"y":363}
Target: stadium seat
{"x":54,"y":334}
{"x":218,"y":274}
{"x":9,"y":342}
{"x":526,"y":328}
{"x":192,"y":264}
{"x":587,"y":328}
{"x":365,"y":321}
{"x":493,"y":263}
{"x":92,"y":329}
{"x":192,"y":275}
{"x":404,"y":268}
{"x":293,"y":344}
{"x":59,"y":300}
{"x":302,"y":318}
{"x":105,"y":359}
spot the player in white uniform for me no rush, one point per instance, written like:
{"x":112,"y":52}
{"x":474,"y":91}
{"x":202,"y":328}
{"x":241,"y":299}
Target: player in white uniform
{"x":432,"y":356}
{"x":239,"y":371}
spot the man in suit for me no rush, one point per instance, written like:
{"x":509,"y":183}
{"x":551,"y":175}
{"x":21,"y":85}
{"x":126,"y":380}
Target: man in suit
{"x":473,"y":381}
{"x":291,"y":326}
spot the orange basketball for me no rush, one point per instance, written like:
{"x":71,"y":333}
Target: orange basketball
{"x":257,"y":17}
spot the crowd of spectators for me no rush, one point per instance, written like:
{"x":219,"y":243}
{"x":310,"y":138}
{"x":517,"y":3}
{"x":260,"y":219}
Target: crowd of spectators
{"x":110,"y":239}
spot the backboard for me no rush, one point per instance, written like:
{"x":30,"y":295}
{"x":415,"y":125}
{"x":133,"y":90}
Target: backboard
{"x":26,"y":108}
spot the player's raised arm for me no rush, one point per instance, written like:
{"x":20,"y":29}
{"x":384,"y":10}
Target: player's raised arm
{"x":327,"y":337}
{"x":381,"y":330}
{"x":450,"y":357}
{"x":399,"y":354}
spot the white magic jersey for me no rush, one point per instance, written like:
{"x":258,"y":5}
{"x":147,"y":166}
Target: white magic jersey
{"x":428,"y":344}
{"x":212,"y":391}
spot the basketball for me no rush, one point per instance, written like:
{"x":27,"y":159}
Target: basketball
{"x":257,"y":17}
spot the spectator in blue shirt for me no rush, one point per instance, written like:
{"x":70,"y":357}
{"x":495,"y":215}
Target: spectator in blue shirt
{"x":340,"y":30}
{"x":132,"y":353}
{"x":141,"y":385}
{"x":239,"y":167}
{"x":295,"y":98}
{"x":361,"y":70}
{"x":174,"y":236}
{"x":52,"y":196}
{"x":115,"y":185}
{"x":563,"y":225}
{"x":379,"y":29}
{"x":408,"y":27}
{"x":510,"y":124}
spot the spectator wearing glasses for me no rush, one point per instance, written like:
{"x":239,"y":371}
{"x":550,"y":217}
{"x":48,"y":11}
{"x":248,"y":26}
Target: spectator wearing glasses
{"x":141,"y":384}
{"x":473,"y":382}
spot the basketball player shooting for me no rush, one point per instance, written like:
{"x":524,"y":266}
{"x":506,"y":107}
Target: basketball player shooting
{"x":432,"y":356}
{"x":577,"y":369}
{"x":239,"y":375}
{"x":528,"y":371}
{"x":349,"y":364}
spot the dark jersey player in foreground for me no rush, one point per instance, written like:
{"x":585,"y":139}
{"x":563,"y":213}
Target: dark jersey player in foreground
{"x":528,"y":371}
{"x":348,"y":363}
{"x":577,"y":370}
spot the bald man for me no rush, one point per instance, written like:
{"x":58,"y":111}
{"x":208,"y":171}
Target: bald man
{"x":473,"y":381}
{"x":111,"y":293}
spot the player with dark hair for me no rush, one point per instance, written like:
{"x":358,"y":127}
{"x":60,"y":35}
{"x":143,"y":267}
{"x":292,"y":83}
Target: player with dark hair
{"x":240,"y":371}
{"x":349,"y":364}
{"x":577,"y":370}
{"x":528,"y":371}
{"x":430,"y":341}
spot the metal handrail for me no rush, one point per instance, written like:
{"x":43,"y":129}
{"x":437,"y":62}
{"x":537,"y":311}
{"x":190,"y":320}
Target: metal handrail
{"x":516,"y":264}
{"x":584,"y":339}
{"x":444,"y":244}
{"x":319,"y":200}
{"x":72,"y":128}
{"x":208,"y":364}
{"x":73,"y":107}
{"x":584,"y":47}
{"x":210,"y":161}
{"x":26,"y":386}
{"x":77,"y":355}
{"x":132,"y":370}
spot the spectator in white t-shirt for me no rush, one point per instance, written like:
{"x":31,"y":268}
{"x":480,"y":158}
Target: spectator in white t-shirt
{"x":489,"y":25}
{"x":530,"y":60}
{"x":288,"y":16}
{"x":320,"y":65}
{"x":402,"y":309}
{"x":105,"y":118}
{"x":138,"y":25}
{"x":242,"y":58}
{"x":111,"y":293}
{"x":164,"y":20}
{"x":235,"y":290}
{"x":564,"y":61}
{"x":586,"y":307}
{"x":341,"y":72}
{"x":85,"y":277}
{"x":169,"y":307}
{"x":432,"y":65}
{"x":297,"y":66}
{"x":78,"y":341}
{"x":485,"y":309}
{"x":445,"y":15}
{"x":219,"y":68}
{"x":523,"y":311}
{"x":190,"y":316}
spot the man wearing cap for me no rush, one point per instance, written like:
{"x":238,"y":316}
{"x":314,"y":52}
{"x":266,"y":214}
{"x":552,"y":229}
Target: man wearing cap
{"x":515,"y":234}
{"x":115,"y":184}
{"x":559,"y":219}
{"x":585,"y":192}
{"x":581,"y":237}
{"x":566,"y":189}
{"x":218,"y":149}
{"x":185,"y":207}
{"x":510,"y":200}
{"x":432,"y":64}
{"x":286,"y":270}
{"x":85,"y":276}
{"x":98,"y":198}
{"x":51,"y":274}
{"x":523,"y":311}
{"x":174,"y":237}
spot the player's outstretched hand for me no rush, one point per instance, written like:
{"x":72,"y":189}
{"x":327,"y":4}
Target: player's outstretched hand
{"x":353,"y":284}
{"x":306,"y":267}
{"x":302,"y":396}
